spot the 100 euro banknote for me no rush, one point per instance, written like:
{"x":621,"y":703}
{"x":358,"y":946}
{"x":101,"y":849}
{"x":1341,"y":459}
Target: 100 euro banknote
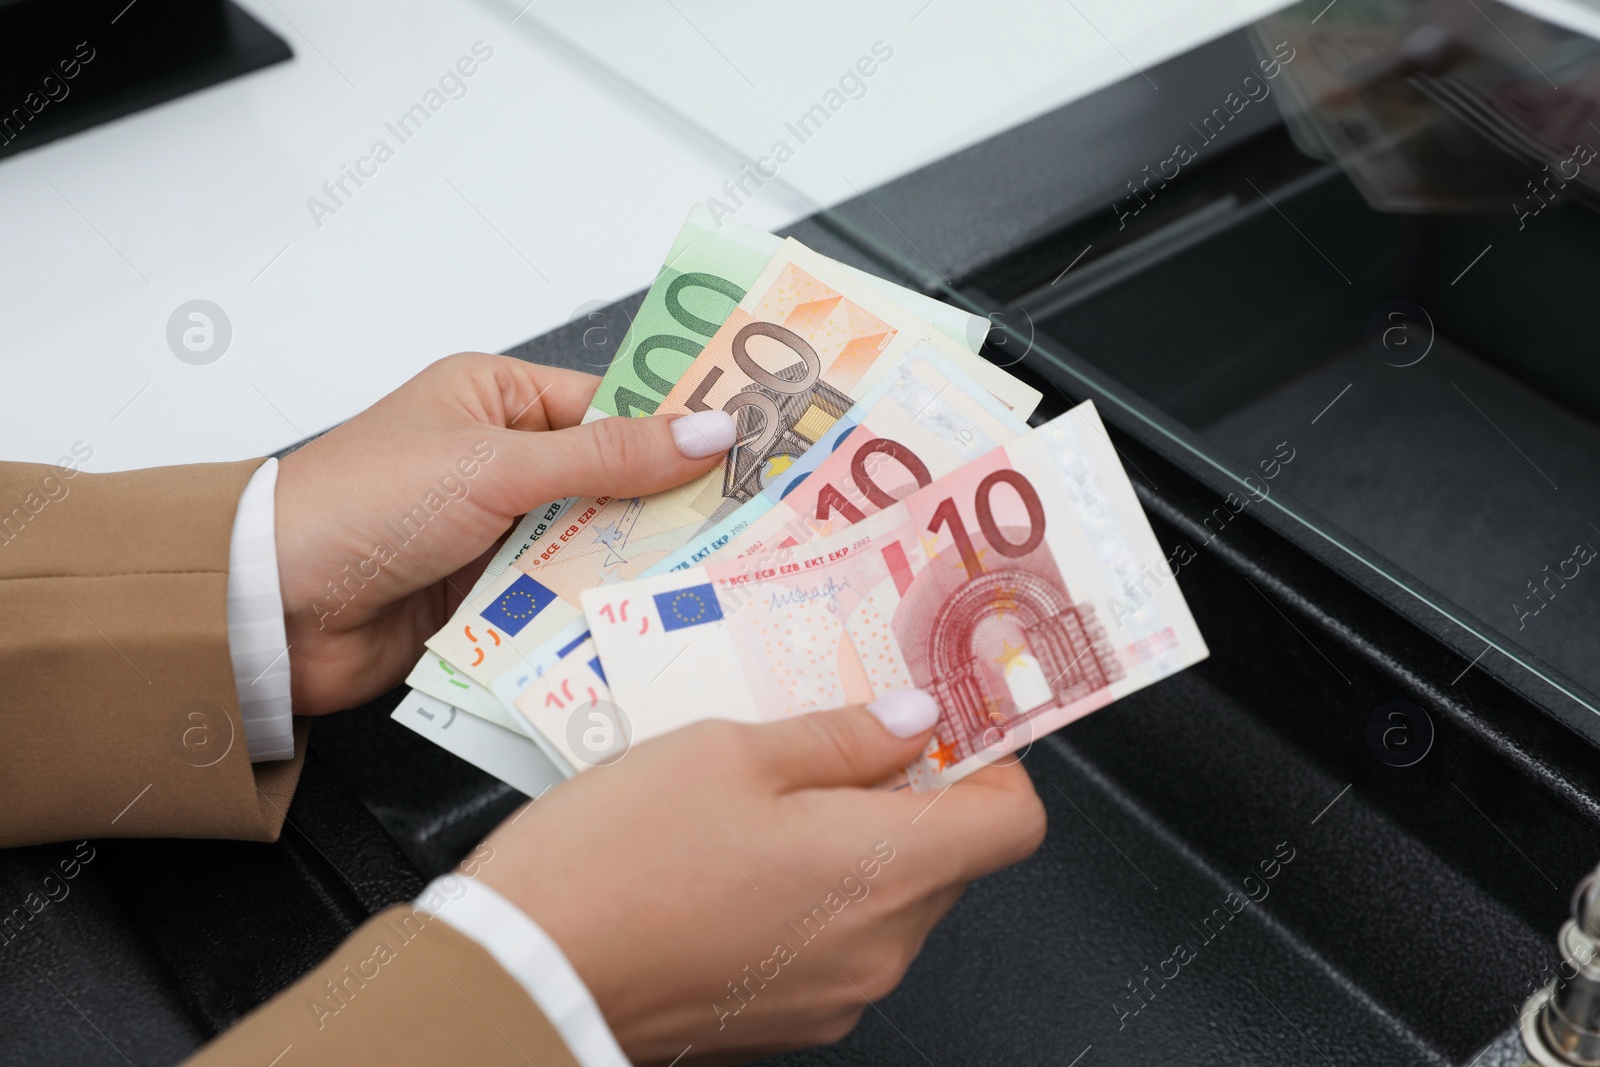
{"x":1023,"y":591}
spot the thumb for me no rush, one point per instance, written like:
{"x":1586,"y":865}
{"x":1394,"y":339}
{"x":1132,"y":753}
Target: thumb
{"x":860,"y":745}
{"x":617,"y":457}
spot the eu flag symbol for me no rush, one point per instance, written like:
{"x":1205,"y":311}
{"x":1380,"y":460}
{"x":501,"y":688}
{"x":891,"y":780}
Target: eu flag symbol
{"x":512,"y":610}
{"x":693,"y":606}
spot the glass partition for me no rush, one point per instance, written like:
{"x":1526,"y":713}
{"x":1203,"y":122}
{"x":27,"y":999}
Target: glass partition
{"x":1342,"y":256}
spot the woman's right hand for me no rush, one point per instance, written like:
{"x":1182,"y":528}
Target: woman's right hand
{"x":745,"y":889}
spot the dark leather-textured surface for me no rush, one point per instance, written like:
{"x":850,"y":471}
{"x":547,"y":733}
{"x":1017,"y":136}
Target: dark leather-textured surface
{"x":157,"y":945}
{"x":77,"y":985}
{"x":435,"y":807}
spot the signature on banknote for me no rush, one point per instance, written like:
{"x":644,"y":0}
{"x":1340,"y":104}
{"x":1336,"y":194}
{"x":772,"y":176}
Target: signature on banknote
{"x":828,"y":590}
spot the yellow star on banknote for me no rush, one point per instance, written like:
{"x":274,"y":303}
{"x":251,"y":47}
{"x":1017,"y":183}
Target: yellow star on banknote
{"x":1005,"y":601}
{"x":1010,"y":654}
{"x":960,"y":564}
{"x":777,"y":465}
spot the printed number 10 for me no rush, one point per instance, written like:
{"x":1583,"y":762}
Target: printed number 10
{"x":947,"y":515}
{"x":831,"y":499}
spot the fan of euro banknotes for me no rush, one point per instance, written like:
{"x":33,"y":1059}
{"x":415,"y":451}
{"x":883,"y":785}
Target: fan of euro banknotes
{"x":886,"y":518}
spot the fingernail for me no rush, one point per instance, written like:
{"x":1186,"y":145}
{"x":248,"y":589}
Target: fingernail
{"x":905,"y":712}
{"x":705,"y":433}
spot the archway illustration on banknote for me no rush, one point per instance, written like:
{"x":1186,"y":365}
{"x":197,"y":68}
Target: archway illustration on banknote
{"x":1005,"y":645}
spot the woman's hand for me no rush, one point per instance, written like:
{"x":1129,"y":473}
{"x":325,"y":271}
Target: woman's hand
{"x":744,"y":911}
{"x":384,"y":522}
{"x":745,"y":889}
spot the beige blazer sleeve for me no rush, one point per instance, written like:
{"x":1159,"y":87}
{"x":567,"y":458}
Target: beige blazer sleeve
{"x":121,"y":719}
{"x":406,"y":988}
{"x":120,"y":714}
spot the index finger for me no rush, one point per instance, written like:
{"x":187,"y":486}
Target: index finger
{"x":537,"y":397}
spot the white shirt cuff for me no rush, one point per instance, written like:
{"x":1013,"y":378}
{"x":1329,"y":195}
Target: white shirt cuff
{"x":526,"y":952}
{"x":256,"y":640}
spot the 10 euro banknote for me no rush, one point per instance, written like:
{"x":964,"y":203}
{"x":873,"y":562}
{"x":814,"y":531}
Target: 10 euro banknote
{"x":1024,"y":590}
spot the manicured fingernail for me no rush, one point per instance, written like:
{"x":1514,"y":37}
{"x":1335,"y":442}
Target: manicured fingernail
{"x":705,"y":433}
{"x":905,"y":712}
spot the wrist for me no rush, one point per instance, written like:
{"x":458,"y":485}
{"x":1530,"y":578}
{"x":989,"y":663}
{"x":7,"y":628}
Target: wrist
{"x":294,"y":568}
{"x":310,"y":599}
{"x":529,"y":955}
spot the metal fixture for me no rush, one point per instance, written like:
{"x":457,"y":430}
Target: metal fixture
{"x":1561,"y":1022}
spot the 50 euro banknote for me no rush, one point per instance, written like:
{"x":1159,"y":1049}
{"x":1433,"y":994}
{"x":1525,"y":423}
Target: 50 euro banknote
{"x":1023,"y":591}
{"x":924,"y":420}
